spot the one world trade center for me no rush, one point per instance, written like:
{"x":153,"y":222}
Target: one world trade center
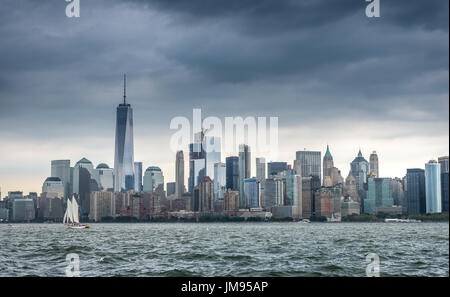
{"x":124,"y":148}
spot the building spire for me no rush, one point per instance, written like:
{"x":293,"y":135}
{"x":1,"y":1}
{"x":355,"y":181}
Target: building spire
{"x":124,"y":89}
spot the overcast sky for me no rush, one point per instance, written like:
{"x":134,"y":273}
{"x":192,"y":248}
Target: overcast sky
{"x":328,"y":72}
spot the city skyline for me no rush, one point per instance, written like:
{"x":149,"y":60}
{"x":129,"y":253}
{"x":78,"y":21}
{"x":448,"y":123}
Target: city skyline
{"x":361,"y":90}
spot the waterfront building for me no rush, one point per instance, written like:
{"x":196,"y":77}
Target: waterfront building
{"x":50,"y":206}
{"x":206,"y":195}
{"x":232,"y":172}
{"x":397,"y":192}
{"x":171,"y":189}
{"x":213,"y":148}
{"x":274,"y":192}
{"x":179,"y":174}
{"x":195,"y":204}
{"x":83,"y":163}
{"x":261,"y":176}
{"x":307,"y":197}
{"x":349,"y":207}
{"x":443,"y":161}
{"x":327,"y":165}
{"x":445,"y":191}
{"x":244,"y":170}
{"x":415,"y":191}
{"x":23,"y":210}
{"x":231,"y":200}
{"x":275,"y":168}
{"x":220,"y":172}
{"x":251,"y":193}
{"x":359,"y":168}
{"x":55,"y":186}
{"x":103,"y":204}
{"x":105,"y":177}
{"x":379,"y":194}
{"x":310,"y":162}
{"x":197,"y":161}
{"x":153,"y":177}
{"x":61,"y":169}
{"x":373,"y":165}
{"x":138,"y":176}
{"x":124,"y":147}
{"x":327,"y":202}
{"x":433,"y":187}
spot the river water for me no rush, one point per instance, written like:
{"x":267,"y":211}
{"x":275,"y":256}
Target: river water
{"x":226,"y":249}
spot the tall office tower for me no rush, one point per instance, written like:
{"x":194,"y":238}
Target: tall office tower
{"x":232,"y":164}
{"x":261,"y":176}
{"x":327,"y":202}
{"x":195,"y":203}
{"x":124,"y":148}
{"x":220,"y":174}
{"x":105,"y":177}
{"x":350,"y":188}
{"x":415,"y":191}
{"x":444,"y":182}
{"x":275,"y":168}
{"x":294,"y":190}
{"x":138,"y":176}
{"x":231,"y":200}
{"x":83,"y":163}
{"x":54,"y":187}
{"x":213,"y":148}
{"x":444,"y":164}
{"x":307,"y":197}
{"x":206,"y":195}
{"x":61,"y":169}
{"x":153,"y":177}
{"x":360,"y":169}
{"x":379,"y":194}
{"x":397,"y":191}
{"x":171,"y":188}
{"x":433,"y":187}
{"x":251,"y":193}
{"x":445,"y":191}
{"x":244,"y":170}
{"x":327,"y":164}
{"x":102,"y":205}
{"x":373,"y":165}
{"x":273,"y":193}
{"x":197,"y":162}
{"x":311,"y":163}
{"x":298,"y":167}
{"x":179,"y":174}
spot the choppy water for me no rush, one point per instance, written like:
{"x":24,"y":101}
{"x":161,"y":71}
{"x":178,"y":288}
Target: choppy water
{"x":226,"y":249}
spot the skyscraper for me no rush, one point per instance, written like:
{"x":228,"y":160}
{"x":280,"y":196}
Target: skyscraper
{"x":359,"y":168}
{"x":251,"y":193}
{"x":124,"y":147}
{"x":311,"y":163}
{"x":105,"y":177}
{"x":220,"y":170}
{"x":444,"y":164}
{"x":61,"y":169}
{"x":261,"y":177}
{"x":197,"y":161}
{"x":415,"y":191}
{"x":206,"y":195}
{"x":275,"y":168}
{"x":212,"y":146}
{"x":379,"y":194}
{"x":327,"y":164}
{"x":153,"y":178}
{"x":433,"y":187}
{"x":232,"y":164}
{"x":373,"y":164}
{"x":244,"y":170}
{"x":138,"y":176}
{"x":179,"y":174}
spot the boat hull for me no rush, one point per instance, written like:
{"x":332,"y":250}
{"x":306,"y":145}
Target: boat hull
{"x":78,"y":226}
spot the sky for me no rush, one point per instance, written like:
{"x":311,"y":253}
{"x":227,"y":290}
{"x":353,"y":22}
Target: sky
{"x":329,"y":73}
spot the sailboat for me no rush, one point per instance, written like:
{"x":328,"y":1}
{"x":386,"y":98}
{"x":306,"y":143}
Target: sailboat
{"x":72,"y":216}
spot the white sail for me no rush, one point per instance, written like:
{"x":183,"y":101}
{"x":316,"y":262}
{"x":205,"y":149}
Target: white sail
{"x":68,"y":217}
{"x":75,"y":216}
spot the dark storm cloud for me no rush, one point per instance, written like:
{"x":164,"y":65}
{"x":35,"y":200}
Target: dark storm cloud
{"x":228,"y":57}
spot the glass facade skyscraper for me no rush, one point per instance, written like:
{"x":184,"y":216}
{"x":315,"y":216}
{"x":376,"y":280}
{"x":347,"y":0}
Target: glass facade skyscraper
{"x":274,"y":168}
{"x":310,"y":162}
{"x":433,"y":187}
{"x":124,"y":147}
{"x":415,"y":191}
{"x":232,"y":164}
{"x":244,"y":170}
{"x":379,"y":194}
{"x":251,"y":193}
